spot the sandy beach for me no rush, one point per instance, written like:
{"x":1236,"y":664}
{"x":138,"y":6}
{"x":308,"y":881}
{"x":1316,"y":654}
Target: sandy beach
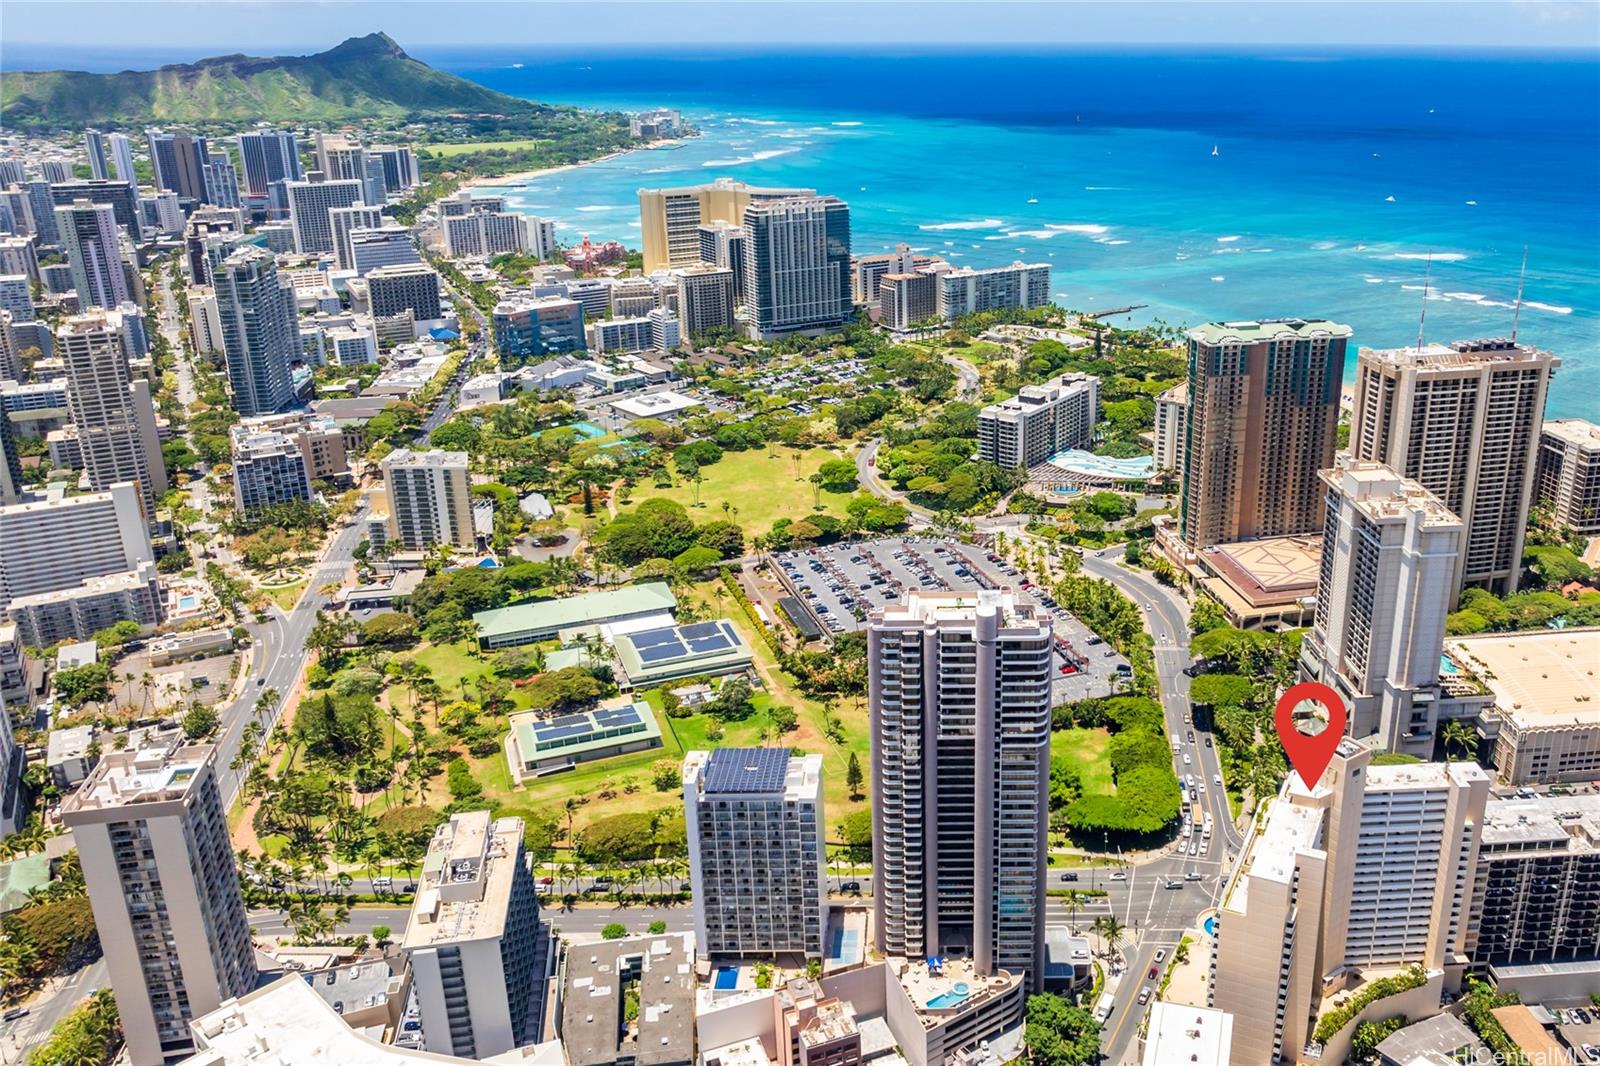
{"x":522,"y":177}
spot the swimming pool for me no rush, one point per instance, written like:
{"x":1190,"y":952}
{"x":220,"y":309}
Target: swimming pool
{"x":188,"y":603}
{"x":1448,"y":665}
{"x":1211,"y":926}
{"x":944,"y":1000}
{"x":1066,"y":490}
{"x":1103,"y":469}
{"x":727,"y":977}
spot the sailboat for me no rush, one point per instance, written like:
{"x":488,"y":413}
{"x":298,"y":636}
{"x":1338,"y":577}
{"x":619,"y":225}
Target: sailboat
{"x":1033,"y":199}
{"x":1388,"y":199}
{"x":1214,"y":152}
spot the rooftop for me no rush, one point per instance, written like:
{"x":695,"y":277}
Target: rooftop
{"x":956,"y":608}
{"x":1578,"y":431}
{"x":590,"y":609}
{"x":1539,"y":679}
{"x":622,"y":719}
{"x":286,"y":1023}
{"x":1458,"y":355}
{"x":466,"y":880}
{"x":953,"y":985}
{"x":1543,"y":823}
{"x":405,"y":457}
{"x":1435,"y":1040}
{"x":1290,"y":829}
{"x":1271,"y":569}
{"x":1215,"y":333}
{"x":754,"y":772}
{"x":81,"y":653}
{"x":147,"y":775}
{"x":703,"y":647}
{"x":1381,"y":495}
{"x":1183,"y":1034}
{"x":1422,"y":775}
{"x":592,"y":1000}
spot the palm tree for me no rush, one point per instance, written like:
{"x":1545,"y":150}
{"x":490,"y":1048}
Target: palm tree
{"x":1461,"y":737}
{"x":1074,"y":902}
{"x":1111,"y":931}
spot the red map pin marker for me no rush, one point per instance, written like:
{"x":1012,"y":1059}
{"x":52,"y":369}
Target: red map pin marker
{"x":1310,"y":755}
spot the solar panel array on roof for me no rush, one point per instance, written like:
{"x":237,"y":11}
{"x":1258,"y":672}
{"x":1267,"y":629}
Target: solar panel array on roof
{"x":747,"y":770}
{"x":616,"y":716}
{"x":668,"y":643}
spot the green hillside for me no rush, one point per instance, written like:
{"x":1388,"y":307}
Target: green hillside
{"x":365,"y":78}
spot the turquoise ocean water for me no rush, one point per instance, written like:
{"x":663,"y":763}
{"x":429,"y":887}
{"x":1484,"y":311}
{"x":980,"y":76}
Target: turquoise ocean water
{"x":1206,"y":186}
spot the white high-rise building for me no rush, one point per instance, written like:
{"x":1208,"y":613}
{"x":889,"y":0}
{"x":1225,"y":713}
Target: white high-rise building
{"x":309,"y":205}
{"x":122,"y":155}
{"x":94,"y":251}
{"x":55,"y":544}
{"x":1039,"y":421}
{"x":1569,"y":474}
{"x":756,"y":841}
{"x":1389,"y":557}
{"x":222,"y":181}
{"x":268,"y":468}
{"x":707,"y":298}
{"x":1464,"y":420}
{"x":1373,"y":868}
{"x":114,"y":416}
{"x":960,"y":701}
{"x":967,"y":290}
{"x":152,"y":837}
{"x":342,"y":221}
{"x":486,"y":233}
{"x":430,"y":499}
{"x":381,"y":246}
{"x":472,"y":939}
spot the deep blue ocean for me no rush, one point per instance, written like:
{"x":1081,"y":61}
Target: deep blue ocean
{"x":1335,"y":175}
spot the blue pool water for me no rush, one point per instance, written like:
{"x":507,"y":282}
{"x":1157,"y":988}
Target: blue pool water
{"x":845,"y":947}
{"x":727,"y":978}
{"x":1447,"y":665}
{"x":187,"y":603}
{"x":944,"y":1000}
{"x":1211,"y":926}
{"x":1066,"y":490}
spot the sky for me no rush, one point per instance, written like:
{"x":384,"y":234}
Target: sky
{"x":176,"y":31}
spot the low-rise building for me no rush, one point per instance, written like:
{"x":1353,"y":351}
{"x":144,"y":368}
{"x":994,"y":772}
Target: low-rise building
{"x":1535,"y":696}
{"x":599,"y":980}
{"x":539,"y":744}
{"x":1440,"y":1039}
{"x":69,"y":755}
{"x":671,"y":653}
{"x":1269,"y":583}
{"x":193,"y":644}
{"x":528,"y":330}
{"x":525,"y":623}
{"x":1178,"y":1033}
{"x":81,"y":611}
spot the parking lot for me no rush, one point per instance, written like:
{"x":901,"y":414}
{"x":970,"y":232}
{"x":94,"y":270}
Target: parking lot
{"x":843,"y":583}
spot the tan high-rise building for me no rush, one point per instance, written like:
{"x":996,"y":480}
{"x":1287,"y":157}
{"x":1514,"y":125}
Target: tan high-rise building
{"x":1463,"y":420}
{"x":670,"y":219}
{"x":114,"y":415}
{"x":1263,"y":411}
{"x":1371,"y":871}
{"x":153,"y":841}
{"x":1389,"y":556}
{"x":1569,"y":474}
{"x":430,"y":499}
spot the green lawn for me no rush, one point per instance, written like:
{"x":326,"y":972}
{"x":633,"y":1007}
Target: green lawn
{"x":1086,"y":751}
{"x":448,"y":150}
{"x":762,"y":489}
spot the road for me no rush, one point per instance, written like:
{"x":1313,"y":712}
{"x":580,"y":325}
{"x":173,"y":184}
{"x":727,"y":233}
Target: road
{"x":278,"y":650}
{"x":18,"y":1038}
{"x":475,"y":350}
{"x":967,"y":379}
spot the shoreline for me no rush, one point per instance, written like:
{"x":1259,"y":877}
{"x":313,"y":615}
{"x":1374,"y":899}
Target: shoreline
{"x":523,"y":177}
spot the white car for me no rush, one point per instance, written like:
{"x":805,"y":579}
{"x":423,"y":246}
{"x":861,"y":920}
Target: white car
{"x":1216,"y":779}
{"x":1119,"y":876}
{"x":1186,"y":759}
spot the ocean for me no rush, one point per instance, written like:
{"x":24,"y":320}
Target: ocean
{"x":1206,"y":185}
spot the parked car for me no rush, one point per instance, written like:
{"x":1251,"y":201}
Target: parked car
{"x":1144,"y":995}
{"x":1161,"y":955}
{"x":852,"y":887}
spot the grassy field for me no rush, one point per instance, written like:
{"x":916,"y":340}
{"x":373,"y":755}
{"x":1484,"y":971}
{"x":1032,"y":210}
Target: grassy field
{"x":1086,"y":751}
{"x":448,"y":150}
{"x":454,"y":666}
{"x":762,"y":489}
{"x":977,"y":353}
